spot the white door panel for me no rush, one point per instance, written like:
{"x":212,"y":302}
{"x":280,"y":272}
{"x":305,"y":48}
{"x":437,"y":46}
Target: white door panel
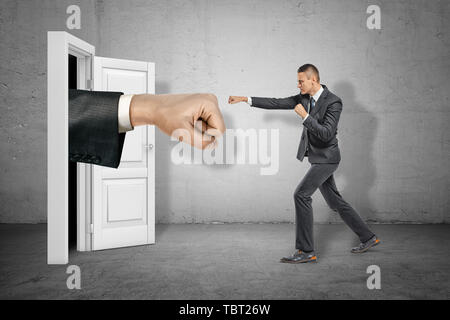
{"x":123,"y":202}
{"x":133,"y":147}
{"x":115,"y":190}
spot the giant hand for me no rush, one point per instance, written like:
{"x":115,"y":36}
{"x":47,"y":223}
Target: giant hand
{"x":179,"y":115}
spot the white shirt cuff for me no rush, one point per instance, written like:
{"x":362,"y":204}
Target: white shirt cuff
{"x":249,"y":100}
{"x":307,"y":115}
{"x":124,"y":113}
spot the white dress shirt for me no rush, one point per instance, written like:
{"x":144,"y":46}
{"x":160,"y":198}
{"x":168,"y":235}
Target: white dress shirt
{"x":316,"y":97}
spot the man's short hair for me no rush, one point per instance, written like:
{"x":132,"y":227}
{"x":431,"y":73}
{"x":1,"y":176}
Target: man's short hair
{"x":309,"y":69}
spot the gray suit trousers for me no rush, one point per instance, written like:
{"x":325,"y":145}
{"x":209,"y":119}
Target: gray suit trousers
{"x":320,"y":175}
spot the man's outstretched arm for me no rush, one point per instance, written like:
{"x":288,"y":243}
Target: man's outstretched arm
{"x":268,"y":103}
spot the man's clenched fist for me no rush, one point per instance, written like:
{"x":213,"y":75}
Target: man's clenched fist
{"x":236,"y":99}
{"x":193,"y":118}
{"x":300,"y":110}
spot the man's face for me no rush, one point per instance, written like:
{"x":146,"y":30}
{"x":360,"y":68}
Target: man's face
{"x":304,"y":84}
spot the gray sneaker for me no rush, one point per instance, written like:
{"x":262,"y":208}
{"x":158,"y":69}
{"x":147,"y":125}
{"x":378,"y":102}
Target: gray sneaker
{"x":364,"y":246}
{"x":300,"y":257}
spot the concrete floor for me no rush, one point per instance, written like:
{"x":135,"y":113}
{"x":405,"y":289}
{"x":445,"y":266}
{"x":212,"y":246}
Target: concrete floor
{"x":233,"y":261}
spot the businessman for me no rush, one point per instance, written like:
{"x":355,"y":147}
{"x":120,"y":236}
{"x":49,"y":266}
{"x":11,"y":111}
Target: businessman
{"x":319,"y":110}
{"x":98,"y":121}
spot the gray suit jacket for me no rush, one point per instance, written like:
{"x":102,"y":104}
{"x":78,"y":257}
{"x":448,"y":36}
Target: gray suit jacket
{"x":319,"y":142}
{"x":94,"y":128}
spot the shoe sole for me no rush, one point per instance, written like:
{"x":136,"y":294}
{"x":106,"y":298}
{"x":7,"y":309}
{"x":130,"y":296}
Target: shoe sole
{"x":377,"y":242}
{"x":301,"y":261}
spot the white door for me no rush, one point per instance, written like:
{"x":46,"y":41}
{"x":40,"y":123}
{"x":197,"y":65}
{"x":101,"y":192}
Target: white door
{"x":123,"y":199}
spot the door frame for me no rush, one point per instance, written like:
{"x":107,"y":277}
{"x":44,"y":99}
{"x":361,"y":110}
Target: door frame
{"x":59,"y":45}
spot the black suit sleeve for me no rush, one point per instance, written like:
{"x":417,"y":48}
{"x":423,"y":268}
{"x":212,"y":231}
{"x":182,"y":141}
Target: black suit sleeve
{"x":94,"y":128}
{"x":276,"y":103}
{"x":326,"y":130}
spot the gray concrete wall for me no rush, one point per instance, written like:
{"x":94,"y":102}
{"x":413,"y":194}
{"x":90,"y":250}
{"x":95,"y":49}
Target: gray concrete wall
{"x":23,"y":89}
{"x":393,"y":132}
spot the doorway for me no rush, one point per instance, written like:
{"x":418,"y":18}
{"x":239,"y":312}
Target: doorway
{"x":73,"y":84}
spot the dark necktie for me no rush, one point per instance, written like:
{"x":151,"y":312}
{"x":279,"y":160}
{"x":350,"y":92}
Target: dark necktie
{"x":312,"y":103}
